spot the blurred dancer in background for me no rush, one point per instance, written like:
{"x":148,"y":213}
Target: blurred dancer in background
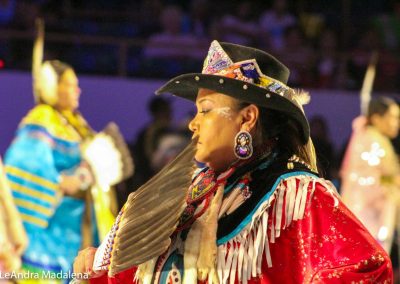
{"x":370,"y":171}
{"x":53,"y":169}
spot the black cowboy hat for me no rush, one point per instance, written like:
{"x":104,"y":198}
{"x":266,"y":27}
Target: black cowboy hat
{"x":247,"y":74}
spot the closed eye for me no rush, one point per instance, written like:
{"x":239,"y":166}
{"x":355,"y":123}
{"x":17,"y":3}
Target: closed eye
{"x":205,"y":111}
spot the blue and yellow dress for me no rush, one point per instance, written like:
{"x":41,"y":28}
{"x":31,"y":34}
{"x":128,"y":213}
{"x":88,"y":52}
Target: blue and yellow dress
{"x":46,"y":145}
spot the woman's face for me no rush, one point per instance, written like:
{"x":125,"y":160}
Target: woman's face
{"x":388,"y":124}
{"x":216,"y":124}
{"x":68,"y":91}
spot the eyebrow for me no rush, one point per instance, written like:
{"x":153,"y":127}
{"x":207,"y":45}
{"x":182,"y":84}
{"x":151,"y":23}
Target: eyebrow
{"x":204,"y":99}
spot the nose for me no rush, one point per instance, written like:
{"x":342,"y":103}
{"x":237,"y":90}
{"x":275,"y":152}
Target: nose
{"x":193,"y":125}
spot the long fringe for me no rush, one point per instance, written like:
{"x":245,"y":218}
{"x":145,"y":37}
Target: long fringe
{"x":192,"y":249}
{"x":242,"y":256}
{"x":206,"y":263}
{"x":144,"y":273}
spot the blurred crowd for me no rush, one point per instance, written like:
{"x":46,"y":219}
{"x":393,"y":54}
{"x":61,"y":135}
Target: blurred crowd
{"x":326,"y":44}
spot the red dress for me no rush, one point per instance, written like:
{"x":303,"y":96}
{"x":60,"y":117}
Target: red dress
{"x":300,"y":232}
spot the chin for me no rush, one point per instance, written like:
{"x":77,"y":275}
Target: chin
{"x":199,"y":157}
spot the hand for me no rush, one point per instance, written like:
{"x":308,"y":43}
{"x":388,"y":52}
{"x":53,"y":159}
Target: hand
{"x":84,"y":263}
{"x":18,"y":237}
{"x":8,"y":260}
{"x":70,"y":184}
{"x":85,"y":175}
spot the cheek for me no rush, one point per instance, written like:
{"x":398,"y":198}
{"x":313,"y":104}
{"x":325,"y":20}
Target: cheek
{"x":390,"y":124}
{"x":218,"y":135}
{"x":61,"y":97}
{"x":72,"y":97}
{"x":211,"y":128}
{"x":395,"y":126}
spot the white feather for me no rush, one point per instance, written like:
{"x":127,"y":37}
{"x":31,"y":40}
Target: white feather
{"x":301,"y":96}
{"x":106,"y":166}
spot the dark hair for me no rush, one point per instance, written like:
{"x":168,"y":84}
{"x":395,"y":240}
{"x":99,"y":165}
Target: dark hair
{"x":278,"y":126}
{"x":60,"y":67}
{"x":379,"y":105}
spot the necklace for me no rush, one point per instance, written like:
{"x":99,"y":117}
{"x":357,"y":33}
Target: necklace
{"x":296,"y":159}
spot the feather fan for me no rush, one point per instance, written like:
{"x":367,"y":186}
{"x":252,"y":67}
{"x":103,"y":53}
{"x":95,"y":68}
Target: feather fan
{"x":145,"y":224}
{"x":114,"y":162}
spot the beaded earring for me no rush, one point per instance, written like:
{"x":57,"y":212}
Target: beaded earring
{"x":243,"y":148}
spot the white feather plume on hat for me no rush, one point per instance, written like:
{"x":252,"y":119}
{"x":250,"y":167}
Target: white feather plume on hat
{"x":44,"y":77}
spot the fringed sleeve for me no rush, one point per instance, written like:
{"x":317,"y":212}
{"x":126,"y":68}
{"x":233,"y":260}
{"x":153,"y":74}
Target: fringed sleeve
{"x":302,"y":233}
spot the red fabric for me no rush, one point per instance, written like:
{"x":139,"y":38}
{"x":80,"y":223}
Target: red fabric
{"x":126,"y":276}
{"x":329,"y":245}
